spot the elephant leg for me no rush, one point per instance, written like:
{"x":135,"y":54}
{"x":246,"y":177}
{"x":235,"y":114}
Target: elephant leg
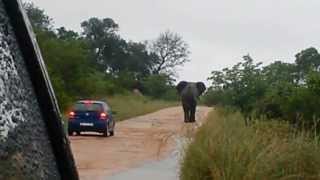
{"x":193,"y":112}
{"x":188,"y":104}
{"x":189,"y":115}
{"x":186,"y":114}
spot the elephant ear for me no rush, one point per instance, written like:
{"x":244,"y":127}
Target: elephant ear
{"x":201,"y":87}
{"x":181,"y":86}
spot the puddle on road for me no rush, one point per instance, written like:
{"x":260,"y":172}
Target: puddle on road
{"x":166,"y":169}
{"x":159,"y":170}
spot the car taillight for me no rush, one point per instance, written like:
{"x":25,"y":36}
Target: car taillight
{"x":71,"y":115}
{"x":103,"y":116}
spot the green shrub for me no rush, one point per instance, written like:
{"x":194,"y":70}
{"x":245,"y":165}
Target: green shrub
{"x":159,"y":86}
{"x":224,"y":148}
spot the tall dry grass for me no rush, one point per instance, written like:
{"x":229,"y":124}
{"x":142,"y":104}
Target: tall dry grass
{"x":224,"y":148}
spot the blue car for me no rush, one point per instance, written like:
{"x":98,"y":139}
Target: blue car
{"x":91,"y":116}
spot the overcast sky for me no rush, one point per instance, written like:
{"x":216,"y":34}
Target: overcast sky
{"x":219,"y":32}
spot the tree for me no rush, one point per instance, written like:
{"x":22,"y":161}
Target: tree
{"x":113,"y":54}
{"x":67,"y":35}
{"x":38,"y":18}
{"x":97,"y":63}
{"x":278,"y":72}
{"x":307,"y":60}
{"x":170,"y":50}
{"x":139,"y":60}
{"x":157,"y":86}
{"x":284,"y":91}
{"x":241,"y":86}
{"x":99,"y":32}
{"x":217,"y":78}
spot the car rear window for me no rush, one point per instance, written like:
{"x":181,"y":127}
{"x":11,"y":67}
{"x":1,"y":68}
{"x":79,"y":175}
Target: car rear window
{"x":88,"y":107}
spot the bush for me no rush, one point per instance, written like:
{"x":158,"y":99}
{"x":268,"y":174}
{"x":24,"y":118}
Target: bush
{"x":285,"y":91}
{"x":95,"y":85}
{"x":224,"y":148}
{"x":217,"y":97}
{"x":159,"y":86}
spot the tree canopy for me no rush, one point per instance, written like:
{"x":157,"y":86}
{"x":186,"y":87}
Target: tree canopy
{"x":170,"y":51}
{"x":287,"y":91}
{"x":98,"y":62}
{"x":39,"y":19}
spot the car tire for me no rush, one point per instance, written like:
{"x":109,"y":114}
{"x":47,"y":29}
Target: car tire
{"x":106,"y":132}
{"x":112,"y":133}
{"x":78,"y":133}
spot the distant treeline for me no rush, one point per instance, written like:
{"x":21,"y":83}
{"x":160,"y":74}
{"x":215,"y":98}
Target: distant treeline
{"x":98,"y":62}
{"x":283,"y":91}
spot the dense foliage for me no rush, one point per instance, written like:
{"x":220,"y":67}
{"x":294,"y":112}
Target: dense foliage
{"x":286,"y":91}
{"x":224,"y":148}
{"x":98,"y":62}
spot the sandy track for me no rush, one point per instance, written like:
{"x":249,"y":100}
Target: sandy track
{"x":136,"y":141}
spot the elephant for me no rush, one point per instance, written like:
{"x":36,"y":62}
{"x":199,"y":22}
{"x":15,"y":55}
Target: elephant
{"x":189,"y":93}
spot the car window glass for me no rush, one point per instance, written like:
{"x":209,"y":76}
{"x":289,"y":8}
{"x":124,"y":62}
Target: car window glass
{"x":106,"y":107}
{"x":88,"y":107}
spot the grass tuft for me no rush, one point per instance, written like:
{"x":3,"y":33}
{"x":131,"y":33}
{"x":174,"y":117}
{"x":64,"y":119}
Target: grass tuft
{"x":224,"y":148}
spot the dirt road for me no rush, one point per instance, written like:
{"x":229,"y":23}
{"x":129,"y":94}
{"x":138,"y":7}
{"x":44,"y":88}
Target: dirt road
{"x":136,"y":141}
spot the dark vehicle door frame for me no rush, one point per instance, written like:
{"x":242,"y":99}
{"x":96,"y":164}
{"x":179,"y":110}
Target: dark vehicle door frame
{"x":43,"y":89}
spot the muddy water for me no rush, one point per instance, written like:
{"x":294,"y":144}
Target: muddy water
{"x":166,"y":169}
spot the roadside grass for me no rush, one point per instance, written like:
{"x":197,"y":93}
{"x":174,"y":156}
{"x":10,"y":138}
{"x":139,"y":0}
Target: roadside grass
{"x":224,"y":148}
{"x":128,"y":106}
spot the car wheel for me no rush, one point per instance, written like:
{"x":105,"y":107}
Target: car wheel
{"x":112,"y":133}
{"x":78,"y":133}
{"x":106,"y":132}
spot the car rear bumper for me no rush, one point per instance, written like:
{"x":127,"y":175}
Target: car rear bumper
{"x":75,"y":126}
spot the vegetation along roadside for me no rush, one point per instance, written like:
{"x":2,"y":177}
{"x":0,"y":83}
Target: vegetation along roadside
{"x":98,"y":62}
{"x":225,"y":148}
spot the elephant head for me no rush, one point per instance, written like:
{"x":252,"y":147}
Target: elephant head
{"x":189,"y":92}
{"x":197,"y":88}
